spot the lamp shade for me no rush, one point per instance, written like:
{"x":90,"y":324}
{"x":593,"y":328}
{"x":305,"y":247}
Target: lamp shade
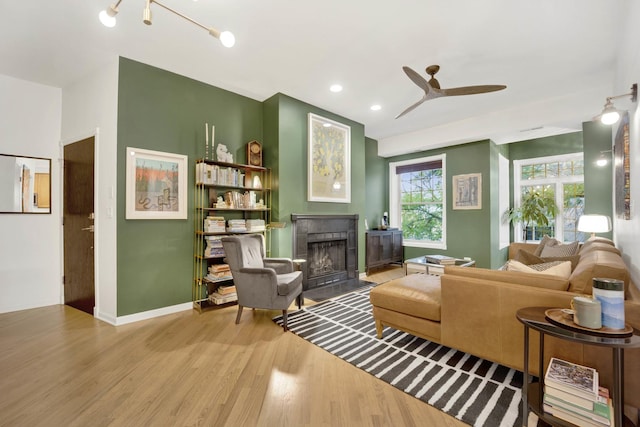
{"x":594,"y":224}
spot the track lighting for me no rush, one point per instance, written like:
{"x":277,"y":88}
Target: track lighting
{"x":610,"y":114}
{"x":107,"y":17}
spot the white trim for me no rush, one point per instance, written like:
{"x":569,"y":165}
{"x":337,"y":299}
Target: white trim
{"x":559,"y":180}
{"x":150,"y":314}
{"x":394,"y":195}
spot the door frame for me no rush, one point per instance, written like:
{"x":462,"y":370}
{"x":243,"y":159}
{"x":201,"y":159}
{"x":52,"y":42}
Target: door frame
{"x":95,"y":133}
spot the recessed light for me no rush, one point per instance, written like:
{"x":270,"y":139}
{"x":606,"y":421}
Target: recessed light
{"x":376,"y":107}
{"x":336,"y":88}
{"x":327,"y":125}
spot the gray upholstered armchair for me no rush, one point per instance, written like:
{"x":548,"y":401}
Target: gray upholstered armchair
{"x":269,"y":283}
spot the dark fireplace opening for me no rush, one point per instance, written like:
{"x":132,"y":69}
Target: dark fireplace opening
{"x":327,"y":262}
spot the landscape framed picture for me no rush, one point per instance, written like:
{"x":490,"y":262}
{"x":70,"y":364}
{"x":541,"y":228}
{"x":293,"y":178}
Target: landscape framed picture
{"x":467,"y":191}
{"x":156,"y":185}
{"x":329,"y":164}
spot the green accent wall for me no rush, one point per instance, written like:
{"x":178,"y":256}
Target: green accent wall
{"x":376,"y":184}
{"x":163,"y":111}
{"x":468,"y":231}
{"x":598,"y":180}
{"x":285,"y":145}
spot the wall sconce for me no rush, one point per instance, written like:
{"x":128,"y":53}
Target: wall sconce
{"x":108,"y":19}
{"x":603,"y":159}
{"x":594,"y":224}
{"x":610,"y":114}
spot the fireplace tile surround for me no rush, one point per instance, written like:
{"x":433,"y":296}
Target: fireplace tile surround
{"x":329,"y":244}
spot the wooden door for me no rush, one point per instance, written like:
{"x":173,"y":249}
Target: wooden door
{"x":79,"y":275}
{"x":26,"y":193}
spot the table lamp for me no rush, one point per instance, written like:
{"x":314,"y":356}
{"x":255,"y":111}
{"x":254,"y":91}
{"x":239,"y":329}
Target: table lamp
{"x":594,"y":224}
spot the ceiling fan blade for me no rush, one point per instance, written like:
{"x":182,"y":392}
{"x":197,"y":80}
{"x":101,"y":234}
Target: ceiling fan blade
{"x":411,"y":108}
{"x":471,"y":90}
{"x":417,"y":79}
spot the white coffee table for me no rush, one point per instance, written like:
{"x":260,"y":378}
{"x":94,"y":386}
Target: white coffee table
{"x":436,"y":269}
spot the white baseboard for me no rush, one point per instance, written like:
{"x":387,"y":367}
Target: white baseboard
{"x":136,"y":317}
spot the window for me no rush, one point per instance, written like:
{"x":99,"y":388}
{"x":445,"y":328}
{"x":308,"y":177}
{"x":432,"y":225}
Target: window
{"x":417,"y":201}
{"x":560,"y":177}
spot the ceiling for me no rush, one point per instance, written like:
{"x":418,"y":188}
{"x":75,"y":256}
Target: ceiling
{"x":557,"y":58}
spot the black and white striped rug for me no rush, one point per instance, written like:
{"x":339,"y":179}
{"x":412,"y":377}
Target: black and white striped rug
{"x":473,"y":390}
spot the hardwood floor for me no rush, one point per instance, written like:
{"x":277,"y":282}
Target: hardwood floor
{"x":61,"y":367}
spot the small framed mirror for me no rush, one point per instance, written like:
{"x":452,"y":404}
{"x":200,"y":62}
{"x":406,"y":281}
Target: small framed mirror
{"x":25,"y":184}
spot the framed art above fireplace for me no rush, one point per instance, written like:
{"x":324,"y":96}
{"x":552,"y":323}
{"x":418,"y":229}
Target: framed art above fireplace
{"x":329,"y":163}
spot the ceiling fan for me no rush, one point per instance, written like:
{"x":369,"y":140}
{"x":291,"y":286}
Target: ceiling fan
{"x":432,"y":89}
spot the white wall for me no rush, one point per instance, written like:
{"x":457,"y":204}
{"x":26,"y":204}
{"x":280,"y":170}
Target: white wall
{"x":30,"y":259}
{"x":88,"y":105}
{"x":627,"y":232}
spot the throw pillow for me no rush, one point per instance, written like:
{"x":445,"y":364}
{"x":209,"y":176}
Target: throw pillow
{"x":546,"y":240}
{"x":555,"y":268}
{"x":528,"y":258}
{"x":560,"y":250}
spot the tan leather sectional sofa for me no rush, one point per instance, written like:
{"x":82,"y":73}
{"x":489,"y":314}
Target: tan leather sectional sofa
{"x":474,"y":310}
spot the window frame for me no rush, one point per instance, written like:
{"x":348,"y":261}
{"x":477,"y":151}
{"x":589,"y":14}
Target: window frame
{"x":558,"y":182}
{"x":394,"y":201}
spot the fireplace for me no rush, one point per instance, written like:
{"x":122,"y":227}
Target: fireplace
{"x":329,"y":244}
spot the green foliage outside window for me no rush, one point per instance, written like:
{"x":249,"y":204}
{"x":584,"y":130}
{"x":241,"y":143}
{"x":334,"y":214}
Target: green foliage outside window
{"x":422,"y":205}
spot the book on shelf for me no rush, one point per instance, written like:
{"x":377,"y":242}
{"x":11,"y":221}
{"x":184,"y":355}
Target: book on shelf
{"x":587,"y":404}
{"x":575,"y":418}
{"x":219,"y":175}
{"x":214,"y":224}
{"x":601,"y":410}
{"x":255,"y":225}
{"x":218,"y":299}
{"x":440,"y":259}
{"x":226,"y":289}
{"x":572,"y":378}
{"x":236,"y":225}
{"x":216,"y":268}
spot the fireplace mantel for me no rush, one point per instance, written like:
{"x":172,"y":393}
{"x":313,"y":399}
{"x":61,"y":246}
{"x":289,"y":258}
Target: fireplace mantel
{"x":313,"y":228}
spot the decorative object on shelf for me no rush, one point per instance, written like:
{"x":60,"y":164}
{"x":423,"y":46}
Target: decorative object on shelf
{"x":108,"y":19}
{"x":206,"y":141}
{"x":223,"y":154}
{"x":254,"y":153}
{"x":156,"y":185}
{"x":467,"y":191}
{"x":594,"y":224}
{"x":610,"y":293}
{"x":329,"y":167}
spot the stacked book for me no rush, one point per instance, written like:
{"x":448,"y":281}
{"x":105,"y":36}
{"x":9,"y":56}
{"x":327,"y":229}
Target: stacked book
{"x":218,"y":272}
{"x":255,"y":225}
{"x":236,"y":226}
{"x":215,"y":174}
{"x":218,"y":298}
{"x":572,"y":393}
{"x":214,"y":224}
{"x":214,"y":247}
{"x":440,"y":259}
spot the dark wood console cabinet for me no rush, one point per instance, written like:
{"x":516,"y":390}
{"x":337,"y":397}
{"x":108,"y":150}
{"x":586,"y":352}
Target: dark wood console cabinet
{"x":383,"y":247}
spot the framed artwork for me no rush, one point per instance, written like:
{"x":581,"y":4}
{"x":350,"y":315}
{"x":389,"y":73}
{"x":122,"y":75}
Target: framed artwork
{"x":156,"y":185}
{"x":467,"y":191}
{"x":329,"y":164}
{"x":622,"y":170}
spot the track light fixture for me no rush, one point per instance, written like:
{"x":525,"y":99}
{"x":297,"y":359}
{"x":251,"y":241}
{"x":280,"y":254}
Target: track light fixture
{"x":610,"y":114}
{"x":107,"y":17}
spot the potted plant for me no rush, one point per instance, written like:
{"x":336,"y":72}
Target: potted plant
{"x":536,"y":207}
